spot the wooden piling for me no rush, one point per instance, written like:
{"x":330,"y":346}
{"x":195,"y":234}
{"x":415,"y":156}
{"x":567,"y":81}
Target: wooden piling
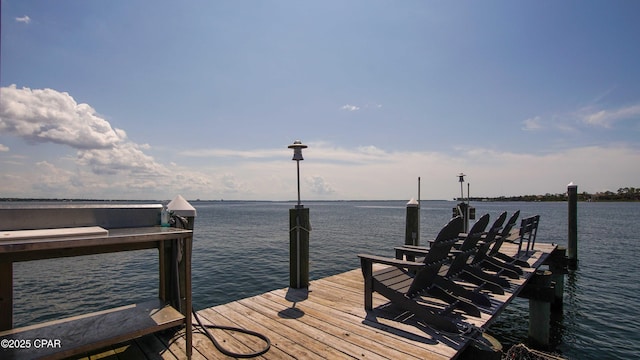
{"x":540,"y":309}
{"x":300,"y":227}
{"x":558,"y":266}
{"x":412,"y":231}
{"x":462,"y":209}
{"x":572,"y":253}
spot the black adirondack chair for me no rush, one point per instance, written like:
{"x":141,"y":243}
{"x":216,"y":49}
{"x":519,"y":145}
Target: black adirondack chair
{"x":501,"y":260}
{"x":528,"y":231}
{"x":492,"y":241}
{"x":460,"y":267}
{"x":405,"y":282}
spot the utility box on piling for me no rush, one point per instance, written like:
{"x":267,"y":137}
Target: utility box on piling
{"x":300,"y":227}
{"x":178,"y":276}
{"x":466,"y":212}
{"x":412,"y":232}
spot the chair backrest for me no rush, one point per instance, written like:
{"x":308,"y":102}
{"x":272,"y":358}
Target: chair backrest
{"x":468,"y":247}
{"x":506,"y":230}
{"x":437,"y":255}
{"x":510,"y":224}
{"x":444,"y":241}
{"x":489,"y":238}
{"x":534,"y":231}
{"x":474,"y":234}
{"x":497,"y":225}
{"x":528,"y":230}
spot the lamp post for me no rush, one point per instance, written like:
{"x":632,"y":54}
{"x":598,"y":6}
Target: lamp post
{"x":461,"y":180}
{"x":298,"y":220}
{"x":297,"y":147}
{"x":463,"y":209}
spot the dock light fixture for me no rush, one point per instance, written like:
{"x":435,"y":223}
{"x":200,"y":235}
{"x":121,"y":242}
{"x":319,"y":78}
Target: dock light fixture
{"x":297,"y":147}
{"x":461,"y":180}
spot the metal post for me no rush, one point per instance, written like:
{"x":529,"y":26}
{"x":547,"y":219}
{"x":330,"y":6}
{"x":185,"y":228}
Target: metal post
{"x":298,"y":250}
{"x":572,"y":250}
{"x":298,"y":173}
{"x":419,"y":207}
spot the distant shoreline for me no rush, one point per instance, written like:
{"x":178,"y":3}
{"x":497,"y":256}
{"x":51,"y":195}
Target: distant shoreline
{"x":520,"y":198}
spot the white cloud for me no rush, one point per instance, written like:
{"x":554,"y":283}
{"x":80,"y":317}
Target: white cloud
{"x":47,"y":115}
{"x":349,"y":107}
{"x":319,"y":186}
{"x":532,"y":124}
{"x":109,"y":165}
{"x":230,"y":184}
{"x":51,"y":178}
{"x":372,"y":106}
{"x":606,"y":118}
{"x":233,"y":153}
{"x":25,"y":19}
{"x":367,"y":173}
{"x":126,"y":157}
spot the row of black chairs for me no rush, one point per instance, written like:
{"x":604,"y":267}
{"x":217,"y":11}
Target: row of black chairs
{"x":473,"y":258}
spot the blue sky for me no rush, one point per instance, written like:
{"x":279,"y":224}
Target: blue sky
{"x":149,"y":99}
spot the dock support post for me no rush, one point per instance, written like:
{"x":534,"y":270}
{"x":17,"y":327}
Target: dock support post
{"x":412,"y":229}
{"x":540,"y":309}
{"x":558,"y":267}
{"x":462,"y":210}
{"x":299,"y":226}
{"x":572,"y":192}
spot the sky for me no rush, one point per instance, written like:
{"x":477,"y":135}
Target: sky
{"x":150,"y":99}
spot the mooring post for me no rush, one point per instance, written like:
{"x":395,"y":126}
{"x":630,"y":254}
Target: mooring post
{"x":462,"y":210}
{"x":299,"y":228}
{"x":557,"y":262}
{"x":412,"y":232}
{"x":299,"y":247}
{"x":540,"y":309}
{"x":572,"y":251}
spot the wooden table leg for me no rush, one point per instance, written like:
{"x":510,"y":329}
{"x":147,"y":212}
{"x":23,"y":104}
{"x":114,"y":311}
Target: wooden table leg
{"x":6,"y":296}
{"x":188,"y":300}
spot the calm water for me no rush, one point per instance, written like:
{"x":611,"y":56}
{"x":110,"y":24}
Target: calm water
{"x":241,"y":249}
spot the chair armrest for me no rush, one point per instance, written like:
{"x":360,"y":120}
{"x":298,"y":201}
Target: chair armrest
{"x":414,"y":251}
{"x":391,"y":261}
{"x":415,"y":247}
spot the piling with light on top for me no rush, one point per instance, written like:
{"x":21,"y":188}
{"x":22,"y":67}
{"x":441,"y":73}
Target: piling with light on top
{"x":299,"y":231}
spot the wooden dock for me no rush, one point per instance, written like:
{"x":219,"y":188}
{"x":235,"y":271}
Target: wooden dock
{"x":327,"y":321}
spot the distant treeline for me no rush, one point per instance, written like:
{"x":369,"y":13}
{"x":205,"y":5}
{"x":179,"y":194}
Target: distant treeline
{"x":623,"y":194}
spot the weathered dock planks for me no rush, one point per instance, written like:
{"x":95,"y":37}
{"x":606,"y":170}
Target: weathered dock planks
{"x":327,"y":321}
